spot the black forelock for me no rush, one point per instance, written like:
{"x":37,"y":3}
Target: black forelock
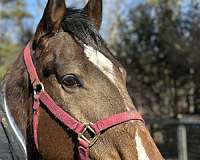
{"x":78,"y":25}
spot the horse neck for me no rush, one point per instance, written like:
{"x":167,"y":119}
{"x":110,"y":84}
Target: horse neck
{"x":17,"y":95}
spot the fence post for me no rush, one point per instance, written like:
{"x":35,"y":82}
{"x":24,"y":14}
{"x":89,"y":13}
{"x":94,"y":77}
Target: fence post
{"x":182,"y":142}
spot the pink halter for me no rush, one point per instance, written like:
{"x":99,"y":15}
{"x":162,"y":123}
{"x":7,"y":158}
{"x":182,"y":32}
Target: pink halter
{"x":40,"y":95}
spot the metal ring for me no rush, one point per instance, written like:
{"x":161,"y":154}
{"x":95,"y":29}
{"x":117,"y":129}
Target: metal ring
{"x":82,"y":136}
{"x":38,"y":88}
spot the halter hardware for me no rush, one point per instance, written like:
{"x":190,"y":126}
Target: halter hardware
{"x":90,"y":130}
{"x":38,"y":88}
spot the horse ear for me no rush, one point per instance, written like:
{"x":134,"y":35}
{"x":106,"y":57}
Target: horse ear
{"x":94,"y":11}
{"x":51,"y":20}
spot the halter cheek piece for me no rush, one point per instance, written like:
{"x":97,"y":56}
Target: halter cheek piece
{"x":95,"y":129}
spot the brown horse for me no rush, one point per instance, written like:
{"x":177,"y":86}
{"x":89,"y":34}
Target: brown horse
{"x":80,"y":73}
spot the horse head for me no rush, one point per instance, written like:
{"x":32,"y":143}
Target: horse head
{"x":82,"y":76}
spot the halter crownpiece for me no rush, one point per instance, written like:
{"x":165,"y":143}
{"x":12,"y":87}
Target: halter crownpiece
{"x":95,"y":129}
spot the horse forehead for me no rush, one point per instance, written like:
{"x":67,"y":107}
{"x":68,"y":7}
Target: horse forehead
{"x":103,"y":63}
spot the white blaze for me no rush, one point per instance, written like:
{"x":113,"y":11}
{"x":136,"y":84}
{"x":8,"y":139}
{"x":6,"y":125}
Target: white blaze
{"x":142,"y":155}
{"x":101,"y":61}
{"x":106,"y":67}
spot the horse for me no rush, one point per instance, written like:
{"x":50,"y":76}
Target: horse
{"x":67,"y":95}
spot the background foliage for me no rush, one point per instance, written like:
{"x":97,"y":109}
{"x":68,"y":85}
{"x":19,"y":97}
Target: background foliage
{"x":12,"y":16}
{"x":158,"y":43}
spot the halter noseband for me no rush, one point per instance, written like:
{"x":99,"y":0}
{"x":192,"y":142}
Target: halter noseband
{"x":40,"y":95}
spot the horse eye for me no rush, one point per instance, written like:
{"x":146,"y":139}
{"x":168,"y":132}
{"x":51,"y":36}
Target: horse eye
{"x":71,"y":81}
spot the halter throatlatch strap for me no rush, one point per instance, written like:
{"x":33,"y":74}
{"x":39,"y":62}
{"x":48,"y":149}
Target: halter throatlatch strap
{"x":40,"y":95}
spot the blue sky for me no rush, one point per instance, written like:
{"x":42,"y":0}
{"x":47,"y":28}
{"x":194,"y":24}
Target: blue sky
{"x":37,"y":11}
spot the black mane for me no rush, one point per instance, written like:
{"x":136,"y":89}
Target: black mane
{"x":78,"y":25}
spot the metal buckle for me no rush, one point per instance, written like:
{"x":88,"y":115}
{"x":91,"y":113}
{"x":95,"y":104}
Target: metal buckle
{"x":38,"y":88}
{"x":88,"y":128}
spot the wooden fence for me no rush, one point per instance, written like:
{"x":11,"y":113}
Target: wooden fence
{"x":177,"y":139}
